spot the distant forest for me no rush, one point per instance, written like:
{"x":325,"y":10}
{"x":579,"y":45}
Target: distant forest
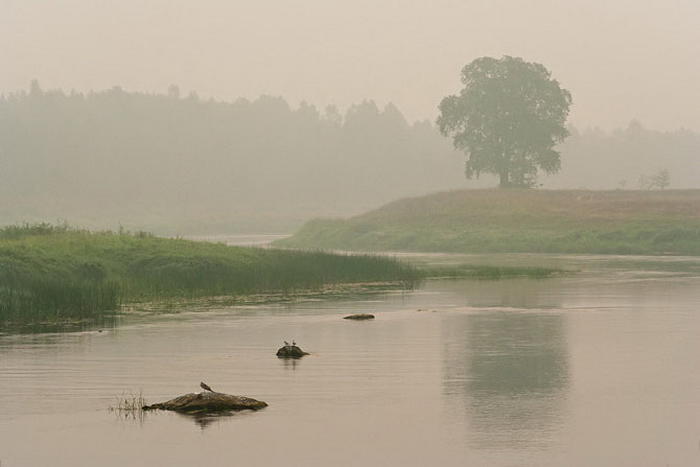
{"x":180,"y":164}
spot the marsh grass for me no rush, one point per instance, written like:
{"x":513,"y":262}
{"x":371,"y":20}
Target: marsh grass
{"x":129,"y":406}
{"x":57,"y":273}
{"x":487,"y":272}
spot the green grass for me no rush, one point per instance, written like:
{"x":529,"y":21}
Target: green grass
{"x":492,"y":272}
{"x":54,"y":273}
{"x":520,"y":221}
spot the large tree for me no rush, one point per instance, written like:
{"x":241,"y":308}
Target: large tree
{"x":507,"y":119}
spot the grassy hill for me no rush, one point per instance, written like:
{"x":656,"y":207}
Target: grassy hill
{"x":497,"y":220}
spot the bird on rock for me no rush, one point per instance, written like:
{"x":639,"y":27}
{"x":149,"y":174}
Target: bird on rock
{"x":205,"y":386}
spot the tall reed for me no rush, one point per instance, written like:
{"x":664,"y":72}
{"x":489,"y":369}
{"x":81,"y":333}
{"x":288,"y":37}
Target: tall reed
{"x":55,"y":273}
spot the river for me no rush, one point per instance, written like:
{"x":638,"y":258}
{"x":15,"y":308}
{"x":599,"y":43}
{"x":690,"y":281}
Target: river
{"x":598,"y":367}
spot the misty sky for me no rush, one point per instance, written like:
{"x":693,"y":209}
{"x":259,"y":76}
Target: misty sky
{"x":621,"y":59}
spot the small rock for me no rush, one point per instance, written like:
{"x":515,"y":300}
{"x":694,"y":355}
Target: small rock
{"x":360,"y":316}
{"x":290,"y":351}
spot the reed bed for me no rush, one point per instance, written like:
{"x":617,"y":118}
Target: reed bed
{"x":57,"y":273}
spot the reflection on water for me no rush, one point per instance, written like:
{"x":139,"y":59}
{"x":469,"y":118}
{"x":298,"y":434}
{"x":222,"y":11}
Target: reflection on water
{"x":514,"y":293}
{"x":590,"y":369}
{"x":204,"y":421}
{"x":99,"y":322}
{"x":509,"y":371}
{"x":289,"y":363}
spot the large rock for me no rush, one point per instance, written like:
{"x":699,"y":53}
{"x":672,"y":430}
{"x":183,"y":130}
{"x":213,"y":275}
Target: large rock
{"x":290,"y":351}
{"x":208,"y":402}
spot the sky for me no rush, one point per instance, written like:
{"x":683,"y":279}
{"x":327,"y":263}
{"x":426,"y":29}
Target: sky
{"x":621,"y":60}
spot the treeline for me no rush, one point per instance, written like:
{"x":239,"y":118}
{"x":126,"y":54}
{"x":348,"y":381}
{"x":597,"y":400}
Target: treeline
{"x":628,"y":158}
{"x":178,"y":164}
{"x":130,"y":155}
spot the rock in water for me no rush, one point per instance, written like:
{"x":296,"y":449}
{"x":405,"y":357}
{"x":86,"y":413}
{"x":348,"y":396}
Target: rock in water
{"x":208,"y":402}
{"x":290,"y":351}
{"x":360,"y":316}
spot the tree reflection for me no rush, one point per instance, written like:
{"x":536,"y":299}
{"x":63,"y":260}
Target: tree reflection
{"x":509,"y":370}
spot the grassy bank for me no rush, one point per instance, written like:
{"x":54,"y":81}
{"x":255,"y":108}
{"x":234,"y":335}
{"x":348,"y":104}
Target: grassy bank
{"x":55,"y":272}
{"x":523,"y":221}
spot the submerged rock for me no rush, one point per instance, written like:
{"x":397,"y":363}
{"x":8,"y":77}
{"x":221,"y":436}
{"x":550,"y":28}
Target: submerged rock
{"x":360,"y":316}
{"x":290,"y":351}
{"x":208,"y":402}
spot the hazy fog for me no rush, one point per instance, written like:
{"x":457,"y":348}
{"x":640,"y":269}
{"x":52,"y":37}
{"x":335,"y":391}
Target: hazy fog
{"x":213,"y":115}
{"x":621,"y":59}
{"x":174,"y":163}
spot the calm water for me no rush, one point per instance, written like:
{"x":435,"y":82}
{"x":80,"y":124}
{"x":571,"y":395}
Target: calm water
{"x":600,"y":368}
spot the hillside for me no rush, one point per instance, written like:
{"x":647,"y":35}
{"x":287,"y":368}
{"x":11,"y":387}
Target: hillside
{"x":493,"y":220}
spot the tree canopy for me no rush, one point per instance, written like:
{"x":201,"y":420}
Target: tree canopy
{"x":507,"y":119}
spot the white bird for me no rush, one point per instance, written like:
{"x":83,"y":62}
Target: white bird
{"x":286,"y":343}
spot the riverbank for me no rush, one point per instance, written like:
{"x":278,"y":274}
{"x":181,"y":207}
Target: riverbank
{"x":54,"y":273}
{"x":519,"y":221}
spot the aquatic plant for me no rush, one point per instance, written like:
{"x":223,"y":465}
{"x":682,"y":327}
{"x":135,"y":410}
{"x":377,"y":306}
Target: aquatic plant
{"x":55,"y":274}
{"x":129,"y":406}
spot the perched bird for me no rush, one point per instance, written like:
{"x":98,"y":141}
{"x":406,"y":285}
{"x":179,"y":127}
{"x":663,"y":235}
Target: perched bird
{"x":286,"y":343}
{"x":205,"y":386}
{"x":294,"y":342}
